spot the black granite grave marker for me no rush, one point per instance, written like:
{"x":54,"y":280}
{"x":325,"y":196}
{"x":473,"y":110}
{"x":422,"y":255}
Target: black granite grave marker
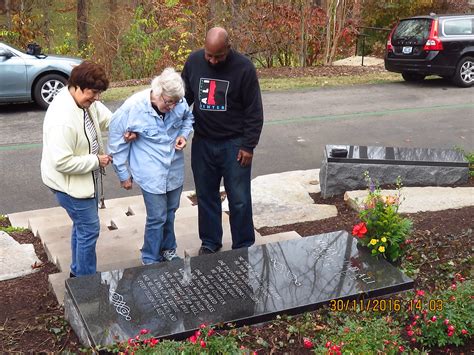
{"x":243,"y":286}
{"x":362,"y":154}
{"x":415,"y":166}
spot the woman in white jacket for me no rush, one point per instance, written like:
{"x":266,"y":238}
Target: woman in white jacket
{"x":73,"y":154}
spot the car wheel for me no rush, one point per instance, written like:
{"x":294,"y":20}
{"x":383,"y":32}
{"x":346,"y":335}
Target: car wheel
{"x":413,"y":76}
{"x":464,"y":75}
{"x":46,"y":89}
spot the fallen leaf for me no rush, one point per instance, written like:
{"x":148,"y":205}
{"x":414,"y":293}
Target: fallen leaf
{"x":37,"y":265}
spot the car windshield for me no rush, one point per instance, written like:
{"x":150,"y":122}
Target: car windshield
{"x":10,"y":48}
{"x":412,"y":29}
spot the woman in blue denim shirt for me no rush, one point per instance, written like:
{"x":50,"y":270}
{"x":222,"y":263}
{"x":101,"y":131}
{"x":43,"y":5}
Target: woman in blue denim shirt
{"x":155,"y":160}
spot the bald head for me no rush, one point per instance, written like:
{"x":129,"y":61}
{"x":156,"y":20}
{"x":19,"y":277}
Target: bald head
{"x":216,"y":47}
{"x":217,"y":36}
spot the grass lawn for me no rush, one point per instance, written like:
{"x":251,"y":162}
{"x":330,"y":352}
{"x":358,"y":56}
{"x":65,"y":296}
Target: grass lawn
{"x":278,"y":84}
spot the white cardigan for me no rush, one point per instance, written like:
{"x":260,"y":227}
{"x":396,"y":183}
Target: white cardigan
{"x":66,"y":162}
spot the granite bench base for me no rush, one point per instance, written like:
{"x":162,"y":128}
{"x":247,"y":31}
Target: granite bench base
{"x":337,"y":178}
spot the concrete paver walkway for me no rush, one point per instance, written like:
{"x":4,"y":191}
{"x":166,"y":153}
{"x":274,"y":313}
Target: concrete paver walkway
{"x":421,"y":199}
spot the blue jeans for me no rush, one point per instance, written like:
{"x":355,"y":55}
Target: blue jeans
{"x":159,"y":227}
{"x":211,"y":161}
{"x":85,"y":231}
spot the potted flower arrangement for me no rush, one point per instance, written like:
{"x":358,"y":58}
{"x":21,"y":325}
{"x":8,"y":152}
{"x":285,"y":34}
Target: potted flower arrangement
{"x":382,"y":229}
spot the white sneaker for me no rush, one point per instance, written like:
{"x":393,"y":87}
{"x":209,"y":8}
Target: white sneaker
{"x":169,"y":255}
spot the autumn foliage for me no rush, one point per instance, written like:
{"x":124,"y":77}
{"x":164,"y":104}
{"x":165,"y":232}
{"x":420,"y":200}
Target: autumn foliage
{"x":136,"y":38}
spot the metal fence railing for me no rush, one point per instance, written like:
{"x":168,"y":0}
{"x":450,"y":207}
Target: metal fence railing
{"x":367,"y":32}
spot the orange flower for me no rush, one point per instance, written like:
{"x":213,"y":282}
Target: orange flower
{"x":391,"y":200}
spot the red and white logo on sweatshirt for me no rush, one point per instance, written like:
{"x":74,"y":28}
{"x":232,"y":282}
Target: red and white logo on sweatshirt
{"x":213,"y":94}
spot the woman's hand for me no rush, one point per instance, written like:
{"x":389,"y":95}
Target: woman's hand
{"x":180,"y":143}
{"x":130,"y":136}
{"x":127,"y":184}
{"x":104,"y":160}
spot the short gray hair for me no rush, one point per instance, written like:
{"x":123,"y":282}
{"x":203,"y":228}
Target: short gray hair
{"x":169,"y":83}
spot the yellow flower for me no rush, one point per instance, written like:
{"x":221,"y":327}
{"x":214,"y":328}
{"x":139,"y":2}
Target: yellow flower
{"x":373,"y":241}
{"x":381,"y":248}
{"x":383,"y":239}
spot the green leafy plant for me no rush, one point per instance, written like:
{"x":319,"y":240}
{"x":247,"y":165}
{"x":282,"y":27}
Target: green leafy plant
{"x":141,"y":46}
{"x":361,"y":333}
{"x":382,"y":229}
{"x":470,"y":158}
{"x":5,"y":226}
{"x":205,"y":340}
{"x":58,"y":326}
{"x":444,"y":317}
{"x":11,"y":229}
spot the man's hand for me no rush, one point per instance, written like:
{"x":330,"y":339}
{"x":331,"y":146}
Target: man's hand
{"x":180,"y":143}
{"x":244,"y":157}
{"x":104,"y":160}
{"x":130,"y":136}
{"x":127,"y":184}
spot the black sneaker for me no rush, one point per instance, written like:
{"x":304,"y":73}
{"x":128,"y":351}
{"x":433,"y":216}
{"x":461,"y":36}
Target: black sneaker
{"x":205,"y":251}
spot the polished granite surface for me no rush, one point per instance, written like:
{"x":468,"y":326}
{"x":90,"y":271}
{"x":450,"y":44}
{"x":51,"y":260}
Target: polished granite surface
{"x":400,"y":156}
{"x":242,"y":286}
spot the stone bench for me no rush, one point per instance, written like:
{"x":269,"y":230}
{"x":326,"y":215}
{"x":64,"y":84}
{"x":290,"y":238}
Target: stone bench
{"x":415,"y":166}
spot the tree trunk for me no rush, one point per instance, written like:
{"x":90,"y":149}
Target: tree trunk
{"x":337,"y":12}
{"x":8,"y":14}
{"x":82,"y":12}
{"x":112,"y":5}
{"x":47,"y":6}
{"x":303,"y":53}
{"x":235,"y":11}
{"x":330,"y":14}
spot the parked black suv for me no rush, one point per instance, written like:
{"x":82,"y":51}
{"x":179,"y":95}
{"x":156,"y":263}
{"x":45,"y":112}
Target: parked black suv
{"x":433,"y":45}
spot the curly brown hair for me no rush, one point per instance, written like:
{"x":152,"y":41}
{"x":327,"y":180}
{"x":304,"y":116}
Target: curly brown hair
{"x":89,"y":75}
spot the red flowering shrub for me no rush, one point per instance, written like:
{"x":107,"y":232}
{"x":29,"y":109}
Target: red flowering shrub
{"x":443,"y":318}
{"x":204,"y":341}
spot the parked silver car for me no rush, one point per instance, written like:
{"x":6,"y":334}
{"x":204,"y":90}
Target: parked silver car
{"x":35,"y":76}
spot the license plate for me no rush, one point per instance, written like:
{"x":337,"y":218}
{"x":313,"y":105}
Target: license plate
{"x":407,"y":50}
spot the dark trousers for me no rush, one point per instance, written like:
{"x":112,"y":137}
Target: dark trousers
{"x":211,"y":161}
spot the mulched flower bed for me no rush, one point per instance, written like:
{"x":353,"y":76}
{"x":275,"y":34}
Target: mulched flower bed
{"x":31,"y":320}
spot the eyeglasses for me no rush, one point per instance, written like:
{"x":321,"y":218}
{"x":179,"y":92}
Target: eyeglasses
{"x":169,"y":102}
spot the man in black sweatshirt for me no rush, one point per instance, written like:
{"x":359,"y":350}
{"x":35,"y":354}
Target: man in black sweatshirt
{"x":223,"y":86}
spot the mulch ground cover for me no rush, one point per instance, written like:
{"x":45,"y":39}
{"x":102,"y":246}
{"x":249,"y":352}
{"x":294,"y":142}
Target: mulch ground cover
{"x":31,"y":320}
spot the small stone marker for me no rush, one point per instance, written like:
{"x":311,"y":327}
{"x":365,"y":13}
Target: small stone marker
{"x":16,"y":259}
{"x":243,"y":286}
